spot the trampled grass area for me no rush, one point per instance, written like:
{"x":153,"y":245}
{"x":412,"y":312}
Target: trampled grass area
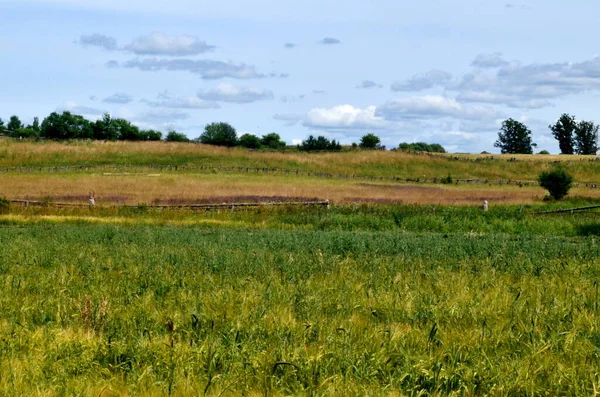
{"x":350,"y":301}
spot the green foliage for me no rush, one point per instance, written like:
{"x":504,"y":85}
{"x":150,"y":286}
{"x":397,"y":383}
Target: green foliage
{"x":25,"y":133}
{"x":422,"y":147}
{"x":66,"y":126}
{"x":250,"y":141}
{"x":369,"y":141}
{"x":2,"y":126}
{"x":447,"y":180}
{"x":14,"y":124}
{"x":138,"y":310}
{"x":4,"y":205}
{"x":557,"y":181}
{"x":563,"y":131}
{"x":586,"y":137}
{"x":174,"y":136}
{"x":514,"y":138}
{"x":272,"y":141}
{"x":543,"y":152}
{"x":320,"y":143}
{"x":219,"y":134}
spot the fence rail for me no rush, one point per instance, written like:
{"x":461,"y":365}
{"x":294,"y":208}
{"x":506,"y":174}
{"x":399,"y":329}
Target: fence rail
{"x":324,"y":203}
{"x":267,"y":170}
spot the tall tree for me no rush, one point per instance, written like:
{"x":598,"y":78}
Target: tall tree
{"x":563,"y":132}
{"x":515,"y":138}
{"x":36,"y":125}
{"x":220,"y":134}
{"x":586,"y":137}
{"x":14,"y":124}
{"x":2,"y":127}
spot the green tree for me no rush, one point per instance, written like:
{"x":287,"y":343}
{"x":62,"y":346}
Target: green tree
{"x":149,"y":135}
{"x":219,"y":134}
{"x":35,"y":125}
{"x":14,"y":124}
{"x":104,"y":129}
{"x":369,"y":141}
{"x":422,"y":147}
{"x":126,"y":131}
{"x":250,"y":141}
{"x":319,"y":143}
{"x":557,"y":181}
{"x":586,"y":137}
{"x":66,"y":126}
{"x":174,"y":136}
{"x":563,"y":131}
{"x":2,"y":127}
{"x":272,"y":141}
{"x":515,"y":138}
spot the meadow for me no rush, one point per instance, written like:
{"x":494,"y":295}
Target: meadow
{"x":392,"y":295}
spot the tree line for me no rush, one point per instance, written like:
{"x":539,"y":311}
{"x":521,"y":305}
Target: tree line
{"x":573,"y":137}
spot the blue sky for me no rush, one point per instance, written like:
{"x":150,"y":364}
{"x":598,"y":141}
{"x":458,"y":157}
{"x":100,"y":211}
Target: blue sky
{"x":443,"y":71}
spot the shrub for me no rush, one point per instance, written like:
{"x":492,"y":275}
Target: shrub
{"x":544,"y":152}
{"x":557,"y":181}
{"x":447,"y":180}
{"x":250,"y":141}
{"x":4,"y":204}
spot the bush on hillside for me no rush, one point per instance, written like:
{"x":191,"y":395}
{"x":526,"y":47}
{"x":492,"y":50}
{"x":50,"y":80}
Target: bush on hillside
{"x":557,"y":181}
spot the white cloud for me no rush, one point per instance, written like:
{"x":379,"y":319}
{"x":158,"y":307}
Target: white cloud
{"x":98,"y":40}
{"x":166,"y":100}
{"x":206,"y":69}
{"x":330,"y":41}
{"x":162,"y":115}
{"x":230,"y":93}
{"x":119,"y":97}
{"x":484,"y":61}
{"x":432,"y":106}
{"x":366,"y":84}
{"x":158,"y":43}
{"x":423,"y":81}
{"x":344,"y":117}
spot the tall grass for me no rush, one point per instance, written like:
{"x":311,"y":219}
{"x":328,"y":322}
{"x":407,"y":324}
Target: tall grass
{"x":380,"y":163}
{"x":145,"y":310}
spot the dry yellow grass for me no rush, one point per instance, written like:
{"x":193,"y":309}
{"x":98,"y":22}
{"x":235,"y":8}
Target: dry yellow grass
{"x":190,"y":188}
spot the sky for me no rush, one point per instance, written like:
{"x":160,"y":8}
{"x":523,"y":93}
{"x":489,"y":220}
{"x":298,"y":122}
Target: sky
{"x":438,"y":71}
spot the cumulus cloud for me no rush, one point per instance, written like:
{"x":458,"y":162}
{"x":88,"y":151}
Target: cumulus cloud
{"x":431,"y":107}
{"x":330,"y":41}
{"x":166,"y":100}
{"x":98,"y":40}
{"x":119,"y":97}
{"x":366,"y":84}
{"x":484,"y":61}
{"x":423,"y":81}
{"x":158,"y":43}
{"x":206,"y":69}
{"x":289,"y":45}
{"x":344,"y":117}
{"x":230,"y":93}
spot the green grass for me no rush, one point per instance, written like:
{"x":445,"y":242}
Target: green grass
{"x":92,"y":309}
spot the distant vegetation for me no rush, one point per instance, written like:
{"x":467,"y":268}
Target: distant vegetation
{"x":422,"y":147}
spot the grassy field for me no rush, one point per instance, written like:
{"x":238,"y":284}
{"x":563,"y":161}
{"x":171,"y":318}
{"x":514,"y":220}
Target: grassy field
{"x":394,"y":290}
